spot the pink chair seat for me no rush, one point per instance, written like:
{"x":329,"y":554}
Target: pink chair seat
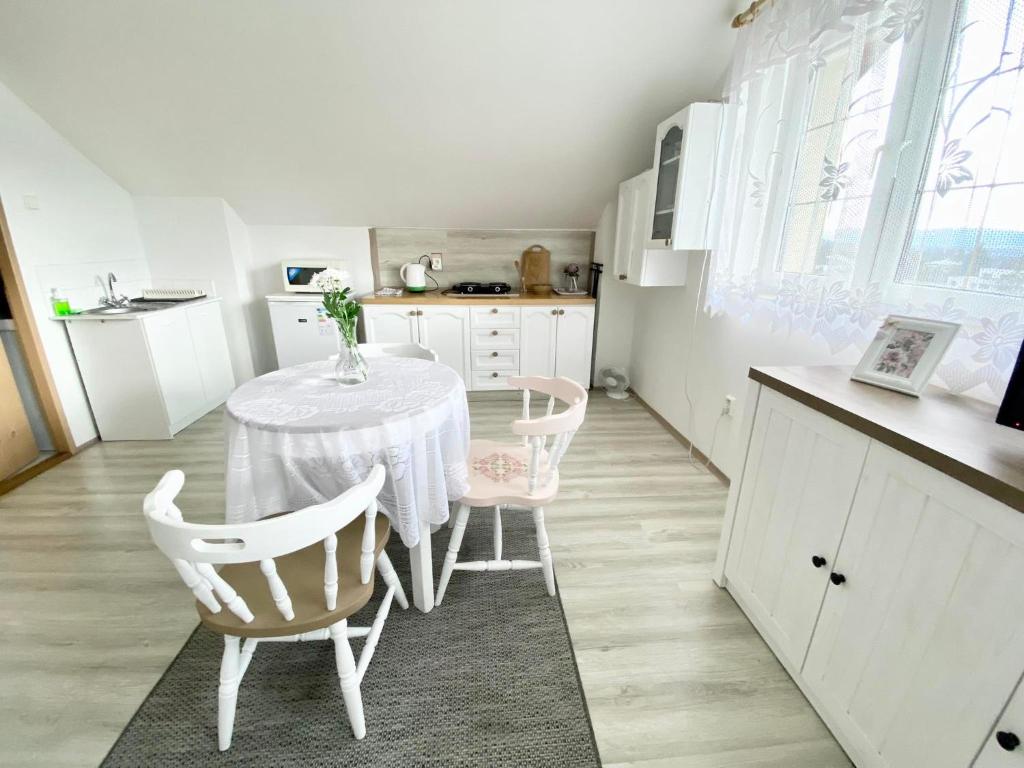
{"x":499,"y":474}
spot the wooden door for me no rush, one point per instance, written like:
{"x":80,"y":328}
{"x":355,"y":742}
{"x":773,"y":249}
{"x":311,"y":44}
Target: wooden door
{"x":574,"y":343}
{"x":446,"y":331}
{"x":795,"y":495}
{"x":391,"y":325}
{"x":537,"y":342}
{"x":17,"y":444}
{"x":919,"y":647}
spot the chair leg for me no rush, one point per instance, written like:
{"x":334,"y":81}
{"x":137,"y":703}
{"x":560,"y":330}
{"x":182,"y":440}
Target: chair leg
{"x":227,"y":694}
{"x":347,"y":675}
{"x":387,"y":572}
{"x":545,"y":550}
{"x":461,"y":518}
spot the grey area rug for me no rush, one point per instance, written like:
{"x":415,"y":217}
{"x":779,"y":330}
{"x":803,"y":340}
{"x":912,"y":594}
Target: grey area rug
{"x":486,"y":679}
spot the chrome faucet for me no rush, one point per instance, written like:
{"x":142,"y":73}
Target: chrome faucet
{"x":110,"y":298}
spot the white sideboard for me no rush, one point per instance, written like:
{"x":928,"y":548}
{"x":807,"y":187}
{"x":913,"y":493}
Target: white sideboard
{"x":876,"y":542}
{"x":149,"y":375}
{"x":488,"y":342}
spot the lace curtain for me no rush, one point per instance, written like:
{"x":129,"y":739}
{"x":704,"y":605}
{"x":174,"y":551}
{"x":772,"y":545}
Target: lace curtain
{"x":872,"y":163}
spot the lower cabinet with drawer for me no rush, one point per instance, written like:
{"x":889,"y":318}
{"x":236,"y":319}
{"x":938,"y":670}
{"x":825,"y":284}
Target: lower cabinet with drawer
{"x":889,"y":590}
{"x":487,"y":344}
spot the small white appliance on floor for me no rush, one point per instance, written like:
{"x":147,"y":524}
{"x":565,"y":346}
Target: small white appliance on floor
{"x":303,"y":333}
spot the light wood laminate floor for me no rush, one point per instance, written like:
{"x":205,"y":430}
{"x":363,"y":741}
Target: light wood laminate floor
{"x":91,"y":614}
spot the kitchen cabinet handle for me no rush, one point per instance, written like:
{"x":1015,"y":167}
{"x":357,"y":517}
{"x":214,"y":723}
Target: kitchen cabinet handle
{"x":494,"y":311}
{"x":818,"y":561}
{"x":419,"y":312}
{"x":837,"y":578}
{"x":561,"y":311}
{"x":412,"y":313}
{"x":554,"y":311}
{"x":623,"y":277}
{"x":494,"y":333}
{"x":494,"y":375}
{"x":494,"y":354}
{"x":1007,"y":740}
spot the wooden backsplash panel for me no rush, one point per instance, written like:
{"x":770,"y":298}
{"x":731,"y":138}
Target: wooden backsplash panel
{"x":477,"y":254}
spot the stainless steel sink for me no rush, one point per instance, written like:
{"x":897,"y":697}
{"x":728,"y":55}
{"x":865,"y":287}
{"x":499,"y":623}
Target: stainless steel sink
{"x":131,"y":308}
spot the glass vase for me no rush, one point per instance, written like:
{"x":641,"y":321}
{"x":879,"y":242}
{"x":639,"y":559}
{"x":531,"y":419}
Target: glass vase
{"x":351,"y":367}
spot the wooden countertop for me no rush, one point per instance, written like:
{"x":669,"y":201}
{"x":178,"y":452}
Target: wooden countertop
{"x":954,"y":434}
{"x":436,"y":297}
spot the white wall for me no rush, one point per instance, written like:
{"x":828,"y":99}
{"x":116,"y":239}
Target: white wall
{"x":84,"y":226}
{"x":615,"y":312}
{"x":273,"y":244}
{"x":199,"y":242}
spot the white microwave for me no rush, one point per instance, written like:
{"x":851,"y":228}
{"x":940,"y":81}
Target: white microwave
{"x":298,"y":275}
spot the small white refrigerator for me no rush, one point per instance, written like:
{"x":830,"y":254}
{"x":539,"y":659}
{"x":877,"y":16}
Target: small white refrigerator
{"x":303,"y":333}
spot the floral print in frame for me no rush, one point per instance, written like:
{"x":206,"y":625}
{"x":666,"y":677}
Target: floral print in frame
{"x":905,"y":353}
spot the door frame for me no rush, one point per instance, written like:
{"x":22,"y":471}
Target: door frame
{"x":35,"y":359}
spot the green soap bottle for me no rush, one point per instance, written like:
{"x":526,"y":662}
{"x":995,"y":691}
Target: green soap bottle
{"x":61,"y":306}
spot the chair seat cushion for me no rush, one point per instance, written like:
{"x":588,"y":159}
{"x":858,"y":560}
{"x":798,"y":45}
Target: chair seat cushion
{"x":499,"y":474}
{"x":303,"y":575}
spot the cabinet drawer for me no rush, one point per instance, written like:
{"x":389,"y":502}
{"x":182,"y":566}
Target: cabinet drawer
{"x":494,"y":317}
{"x":491,"y":379}
{"x":496,"y":360}
{"x":494,"y":338}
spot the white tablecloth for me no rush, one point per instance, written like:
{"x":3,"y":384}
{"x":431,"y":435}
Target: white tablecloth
{"x":296,"y":437}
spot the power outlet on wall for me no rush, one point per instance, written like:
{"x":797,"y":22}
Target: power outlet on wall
{"x":727,"y":406}
{"x":435,"y":262}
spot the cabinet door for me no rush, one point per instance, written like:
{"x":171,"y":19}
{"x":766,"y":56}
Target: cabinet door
{"x":642,"y":206}
{"x":624,"y":235}
{"x":999,"y":751}
{"x":696,"y":178}
{"x":174,"y":360}
{"x":211,"y":349}
{"x":446,"y":331}
{"x":537,"y":343}
{"x":387,"y":325}
{"x":795,"y":495}
{"x":574,"y":343}
{"x":918,"y":650}
{"x":668,"y":150}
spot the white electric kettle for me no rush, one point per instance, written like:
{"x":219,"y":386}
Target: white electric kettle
{"x":415,"y":277}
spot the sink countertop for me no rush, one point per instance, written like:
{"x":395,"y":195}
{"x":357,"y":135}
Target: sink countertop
{"x":135,"y":315}
{"x":436,"y":297}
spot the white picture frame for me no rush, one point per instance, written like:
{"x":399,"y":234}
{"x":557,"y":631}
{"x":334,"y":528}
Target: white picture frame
{"x":905,"y":353}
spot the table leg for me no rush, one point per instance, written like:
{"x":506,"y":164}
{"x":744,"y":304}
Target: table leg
{"x":422,"y":571}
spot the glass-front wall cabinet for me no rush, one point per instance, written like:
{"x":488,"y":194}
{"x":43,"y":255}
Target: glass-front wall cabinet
{"x":668,"y":179}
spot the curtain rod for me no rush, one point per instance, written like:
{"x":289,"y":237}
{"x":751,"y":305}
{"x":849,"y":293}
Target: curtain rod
{"x":748,"y":15}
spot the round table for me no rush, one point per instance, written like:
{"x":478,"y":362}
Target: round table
{"x":296,"y":437}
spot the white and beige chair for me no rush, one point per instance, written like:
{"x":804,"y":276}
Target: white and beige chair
{"x":292,"y":577}
{"x":519,"y":477}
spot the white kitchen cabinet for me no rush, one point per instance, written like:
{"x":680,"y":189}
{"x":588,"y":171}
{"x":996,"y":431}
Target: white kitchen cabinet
{"x":558,"y":341}
{"x":444,"y":329}
{"x":633,"y":261}
{"x":684,"y":163}
{"x":888,"y":588}
{"x":921,"y":643}
{"x":802,"y":471}
{"x":148,"y":375}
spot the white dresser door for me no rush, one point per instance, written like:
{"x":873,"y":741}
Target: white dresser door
{"x":537,"y":343}
{"x":1005,"y":745}
{"x":575,"y":342}
{"x":797,"y":489}
{"x":390,"y":325}
{"x":920,"y":645}
{"x":446,"y":331}
{"x":212,"y":355}
{"x":174,"y":359}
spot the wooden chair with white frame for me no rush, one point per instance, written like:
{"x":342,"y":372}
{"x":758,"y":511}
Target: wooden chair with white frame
{"x":520,"y":477}
{"x":325,"y":554}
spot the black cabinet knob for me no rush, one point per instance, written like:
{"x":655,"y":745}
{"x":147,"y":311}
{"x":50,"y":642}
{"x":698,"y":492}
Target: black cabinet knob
{"x":818,"y":561}
{"x":837,"y":578}
{"x":1007,"y":740}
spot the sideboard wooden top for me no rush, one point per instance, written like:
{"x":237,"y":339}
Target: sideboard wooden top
{"x":956,"y":435}
{"x":429,"y":298}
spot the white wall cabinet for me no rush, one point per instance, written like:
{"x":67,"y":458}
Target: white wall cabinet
{"x":487,"y":344}
{"x":633,"y":261}
{"x":150,"y":375}
{"x":889,"y":590}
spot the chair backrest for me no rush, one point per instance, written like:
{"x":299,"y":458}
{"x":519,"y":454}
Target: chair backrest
{"x":560,"y":426}
{"x":398,"y":350}
{"x":194,"y":548}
